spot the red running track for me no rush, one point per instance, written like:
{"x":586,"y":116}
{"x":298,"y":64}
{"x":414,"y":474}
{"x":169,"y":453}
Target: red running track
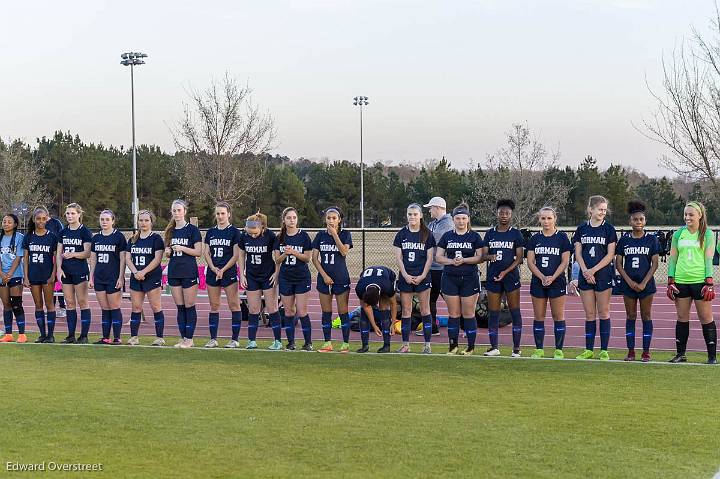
{"x":663,"y":321}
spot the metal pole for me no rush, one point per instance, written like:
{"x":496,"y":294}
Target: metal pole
{"x":134,"y":152}
{"x":362,"y":189}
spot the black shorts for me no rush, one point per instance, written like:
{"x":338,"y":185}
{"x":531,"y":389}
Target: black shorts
{"x":184,"y":282}
{"x":228,"y":278}
{"x":12,"y":283}
{"x":74,"y":279}
{"x":108,"y":288}
{"x":693,"y":291}
{"x":148,"y":284}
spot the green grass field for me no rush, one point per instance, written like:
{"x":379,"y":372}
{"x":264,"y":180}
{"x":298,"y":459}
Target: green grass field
{"x":144,"y":412}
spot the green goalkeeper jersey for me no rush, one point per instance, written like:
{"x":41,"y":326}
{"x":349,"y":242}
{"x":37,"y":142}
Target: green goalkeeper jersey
{"x":692,"y":261}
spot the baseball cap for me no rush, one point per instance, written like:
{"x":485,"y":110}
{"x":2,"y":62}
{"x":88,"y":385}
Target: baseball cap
{"x":436,"y":201}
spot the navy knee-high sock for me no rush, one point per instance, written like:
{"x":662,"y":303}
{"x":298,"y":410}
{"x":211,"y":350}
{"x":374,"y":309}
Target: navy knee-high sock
{"x":105,"y":323}
{"x":326,"y":319}
{"x":51,"y":322}
{"x":289,"y":328}
{"x":213,"y":321}
{"x":40,"y":320}
{"x":190,"y":321}
{"x":135,"y":323}
{"x":85,"y":320}
{"x":710,"y":335}
{"x":345,"y":327}
{"x":117,"y":320}
{"x":453,"y":329}
{"x":236,"y":323}
{"x":181,"y":319}
{"x":682,"y":332}
{"x":405,"y":329}
{"x":647,"y":334}
{"x":630,"y":334}
{"x":385,"y":327}
{"x":470,"y":326}
{"x":559,"y":330}
{"x":590,"y":331}
{"x":159,"y":319}
{"x":516,"y":328}
{"x":71,"y":318}
{"x":7,"y":320}
{"x":306,"y":329}
{"x":493,"y":327}
{"x":539,"y":334}
{"x":427,"y":327}
{"x":253,"y":320}
{"x":604,"y":334}
{"x":275,"y":325}
{"x":364,"y":329}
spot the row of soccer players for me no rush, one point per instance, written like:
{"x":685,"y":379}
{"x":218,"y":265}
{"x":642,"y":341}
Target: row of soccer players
{"x":265,"y":260}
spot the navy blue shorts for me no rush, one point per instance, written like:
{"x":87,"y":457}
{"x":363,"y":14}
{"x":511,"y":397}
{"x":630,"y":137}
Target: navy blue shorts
{"x":12,"y":283}
{"x":74,"y":278}
{"x":693,"y":291}
{"x":148,"y":284}
{"x":404,"y":287}
{"x":337,"y":288}
{"x":254,"y":284}
{"x":184,"y":282}
{"x":108,"y":288}
{"x":649,"y":290}
{"x":291,"y":288}
{"x":555,"y":290}
{"x":603,"y":281}
{"x":41,"y":283}
{"x":228,"y":278}
{"x":463,"y":285}
{"x":509,"y":283}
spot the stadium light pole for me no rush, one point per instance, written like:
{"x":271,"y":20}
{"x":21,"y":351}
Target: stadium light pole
{"x":362,"y":101}
{"x":133,"y":59}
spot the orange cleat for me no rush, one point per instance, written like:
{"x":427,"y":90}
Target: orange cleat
{"x":22,"y":338}
{"x":8,"y":338}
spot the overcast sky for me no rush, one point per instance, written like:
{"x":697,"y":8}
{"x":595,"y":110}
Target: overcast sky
{"x":444,"y":78}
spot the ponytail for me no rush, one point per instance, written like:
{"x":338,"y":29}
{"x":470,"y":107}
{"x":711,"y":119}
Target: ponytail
{"x":283,"y":228}
{"x":702,"y":229}
{"x":169,"y":229}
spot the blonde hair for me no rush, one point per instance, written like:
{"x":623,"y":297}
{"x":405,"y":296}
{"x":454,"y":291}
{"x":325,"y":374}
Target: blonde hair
{"x":77,"y":208}
{"x":136,"y":235}
{"x":259,"y":217}
{"x":700,"y":208}
{"x":171,"y":225}
{"x":595,"y":200}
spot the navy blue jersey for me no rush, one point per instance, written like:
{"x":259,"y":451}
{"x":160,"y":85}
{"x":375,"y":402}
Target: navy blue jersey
{"x":222,"y":243}
{"x":379,"y":275}
{"x":107,"y":250}
{"x":72,"y":241}
{"x":292,"y":269}
{"x":502,"y":244}
{"x":330,"y":258}
{"x":548,"y":251}
{"x":259,"y":263}
{"x":595,"y":241}
{"x":142,"y":253}
{"x":464,"y":246}
{"x":638,"y":253}
{"x":183,"y":265}
{"x":54,"y":226}
{"x":41,"y":255}
{"x":414,"y":251}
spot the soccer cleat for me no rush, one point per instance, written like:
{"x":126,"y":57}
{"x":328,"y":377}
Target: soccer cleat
{"x":678,"y":358}
{"x":364,"y":349}
{"x":384,"y":349}
{"x":604,"y":356}
{"x":468,"y":352}
{"x":516,"y":354}
{"x":60,"y":313}
{"x":134,"y":341}
{"x":187,"y":343}
{"x":559,"y":354}
{"x":290,"y":347}
{"x":41,"y":339}
{"x":403,"y":349}
{"x":492,"y":352}
{"x":8,"y":338}
{"x":251,"y":345}
{"x":275,"y":346}
{"x":344,"y":348}
{"x":68,"y":340}
{"x":102,"y":341}
{"x":232,"y":344}
{"x":307,"y":347}
{"x":630,"y":356}
{"x":712,"y":360}
{"x":426,"y":349}
{"x":587,"y":354}
{"x":326,"y":347}
{"x":49,"y":340}
{"x":452,"y":350}
{"x":82,"y":340}
{"x":212,"y":343}
{"x":22,"y":338}
{"x":158,"y":342}
{"x":116,"y":342}
{"x":179,"y":343}
{"x":645,"y":357}
{"x":538,"y":353}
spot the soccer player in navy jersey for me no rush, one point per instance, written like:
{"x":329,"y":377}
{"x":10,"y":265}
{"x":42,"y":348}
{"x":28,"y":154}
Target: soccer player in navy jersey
{"x":144,"y":255}
{"x":293,"y":251}
{"x":221,"y":254}
{"x":637,"y":260}
{"x":258,"y":277}
{"x":73,"y":251}
{"x":40,"y":246}
{"x":55,"y":226}
{"x":594,"y":242}
{"x":183,"y":245}
{"x":330,"y":247}
{"x":414,"y":250}
{"x":376,"y":290}
{"x":504,"y":252}
{"x":107,"y":275}
{"x":460,"y":251}
{"x":11,"y":278}
{"x":548,"y":256}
